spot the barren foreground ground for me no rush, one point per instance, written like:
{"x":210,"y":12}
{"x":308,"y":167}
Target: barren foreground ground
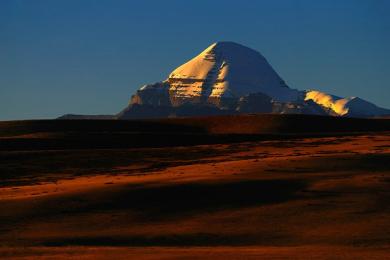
{"x":324,"y":197}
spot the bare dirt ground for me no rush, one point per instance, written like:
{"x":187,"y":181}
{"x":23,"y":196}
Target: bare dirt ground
{"x":320,"y":198}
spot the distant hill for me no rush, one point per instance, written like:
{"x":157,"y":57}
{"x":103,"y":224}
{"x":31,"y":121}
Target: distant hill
{"x":73,"y":116}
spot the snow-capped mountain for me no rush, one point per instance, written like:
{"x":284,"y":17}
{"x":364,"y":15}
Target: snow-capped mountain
{"x":228,"y":78}
{"x":350,"y":106}
{"x":228,"y":70}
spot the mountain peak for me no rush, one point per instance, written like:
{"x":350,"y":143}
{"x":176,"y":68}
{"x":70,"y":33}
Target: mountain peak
{"x":228,"y":69}
{"x":226,"y":45}
{"x":228,"y":77}
{"x":231,"y":51}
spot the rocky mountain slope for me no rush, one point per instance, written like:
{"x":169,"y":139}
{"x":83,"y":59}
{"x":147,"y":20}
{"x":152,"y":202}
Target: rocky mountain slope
{"x":228,"y":78}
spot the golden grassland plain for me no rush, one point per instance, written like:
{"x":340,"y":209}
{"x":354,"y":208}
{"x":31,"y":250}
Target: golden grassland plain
{"x":320,"y":197}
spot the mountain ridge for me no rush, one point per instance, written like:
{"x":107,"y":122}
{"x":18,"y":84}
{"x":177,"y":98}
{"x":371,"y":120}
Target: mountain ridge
{"x":229,"y":78}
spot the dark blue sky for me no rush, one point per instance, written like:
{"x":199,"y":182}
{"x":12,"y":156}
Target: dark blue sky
{"x":89,"y":56}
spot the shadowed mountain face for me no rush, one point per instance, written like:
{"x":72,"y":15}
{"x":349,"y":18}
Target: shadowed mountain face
{"x":228,"y":78}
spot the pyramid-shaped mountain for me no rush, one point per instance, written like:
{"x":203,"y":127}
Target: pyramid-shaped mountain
{"x":229,"y":78}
